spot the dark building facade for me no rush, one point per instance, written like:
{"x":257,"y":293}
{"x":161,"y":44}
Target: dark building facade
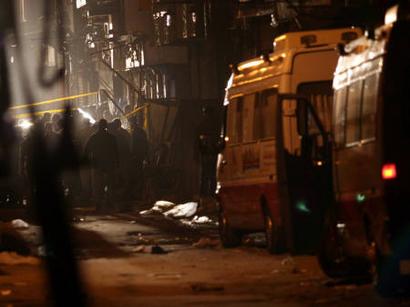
{"x":166,"y":60}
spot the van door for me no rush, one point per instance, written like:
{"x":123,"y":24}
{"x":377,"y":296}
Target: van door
{"x":306,"y":174}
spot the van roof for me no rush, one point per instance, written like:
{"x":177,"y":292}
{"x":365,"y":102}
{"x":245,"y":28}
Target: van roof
{"x":257,"y":71}
{"x":360,"y":51}
{"x":301,"y":40}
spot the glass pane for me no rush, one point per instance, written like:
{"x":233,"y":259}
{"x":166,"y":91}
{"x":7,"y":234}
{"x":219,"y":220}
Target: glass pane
{"x":265,"y":116}
{"x":269,"y":115}
{"x":370,"y":90}
{"x":238,"y":134}
{"x":247,"y":118}
{"x":258,"y":122}
{"x":231,"y":121}
{"x":353,"y":109}
{"x":340,"y":116}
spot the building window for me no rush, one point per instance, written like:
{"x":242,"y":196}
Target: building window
{"x":134,"y":56}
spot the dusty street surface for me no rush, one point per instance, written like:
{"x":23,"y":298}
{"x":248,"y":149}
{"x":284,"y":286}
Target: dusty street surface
{"x":120,"y":270}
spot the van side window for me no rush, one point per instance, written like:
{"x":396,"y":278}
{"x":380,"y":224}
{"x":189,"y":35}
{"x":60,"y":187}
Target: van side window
{"x":248,"y":117}
{"x":238,"y":133}
{"x":370,"y":90}
{"x":353,"y":113}
{"x":340,"y":116}
{"x":265,"y":116}
{"x":234,"y":120}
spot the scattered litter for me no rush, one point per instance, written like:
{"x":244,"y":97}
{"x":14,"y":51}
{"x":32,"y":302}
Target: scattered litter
{"x":163,"y":205}
{"x":203,"y":287}
{"x":134,"y":233}
{"x":201,"y":220}
{"x":290,"y":265}
{"x":183,"y":210}
{"x":139,"y":249}
{"x":12,"y":258}
{"x":5,"y":292}
{"x":140,"y":239}
{"x":207,"y":243}
{"x":166,"y":275}
{"x":19,"y":224}
{"x":255,"y":239}
{"x":147,"y":212}
{"x":159,"y":207}
{"x":288,"y":261}
{"x":41,"y":251}
{"x":158,"y":250}
{"x":77,"y":219}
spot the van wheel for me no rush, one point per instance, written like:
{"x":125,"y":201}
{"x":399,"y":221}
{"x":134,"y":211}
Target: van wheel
{"x":272,"y":235}
{"x":229,"y":237}
{"x":333,"y":259}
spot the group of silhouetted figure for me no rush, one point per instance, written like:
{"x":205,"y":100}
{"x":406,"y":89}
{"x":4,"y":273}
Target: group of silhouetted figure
{"x":111,"y":159}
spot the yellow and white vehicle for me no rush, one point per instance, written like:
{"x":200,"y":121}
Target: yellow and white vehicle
{"x":266,"y":177}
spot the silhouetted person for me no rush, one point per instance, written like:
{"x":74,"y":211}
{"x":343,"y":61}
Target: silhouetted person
{"x":208,"y":147}
{"x":124,"y":150}
{"x":56,"y":120}
{"x":45,"y":119}
{"x":139,"y":151}
{"x":84,"y":134}
{"x":102,"y":152}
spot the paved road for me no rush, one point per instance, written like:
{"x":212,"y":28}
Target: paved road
{"x":119,"y":269}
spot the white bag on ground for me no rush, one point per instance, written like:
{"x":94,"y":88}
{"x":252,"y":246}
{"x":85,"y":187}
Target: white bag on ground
{"x":163,"y":205}
{"x":183,"y":210}
{"x":19,"y":224}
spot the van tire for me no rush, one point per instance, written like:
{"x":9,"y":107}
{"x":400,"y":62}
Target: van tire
{"x":229,"y":236}
{"x":332,"y":257}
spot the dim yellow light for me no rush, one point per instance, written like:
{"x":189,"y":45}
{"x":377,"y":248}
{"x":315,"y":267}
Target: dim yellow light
{"x":250,"y":64}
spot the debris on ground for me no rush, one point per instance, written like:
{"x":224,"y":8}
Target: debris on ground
{"x":255,"y":239}
{"x":288,"y":262}
{"x":78,"y":219}
{"x":207,"y":243}
{"x":19,"y":224}
{"x":147,"y":212}
{"x":205,"y":287}
{"x":183,"y":210}
{"x":159,"y":207}
{"x":290,"y":265}
{"x":12,"y":258}
{"x":140,"y":239}
{"x":163,"y":205}
{"x":41,"y":251}
{"x":166,"y":275}
{"x":139,"y":249}
{"x":158,"y":250}
{"x":201,"y":220}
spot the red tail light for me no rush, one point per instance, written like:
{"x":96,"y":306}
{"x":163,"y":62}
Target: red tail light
{"x":389,"y":171}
